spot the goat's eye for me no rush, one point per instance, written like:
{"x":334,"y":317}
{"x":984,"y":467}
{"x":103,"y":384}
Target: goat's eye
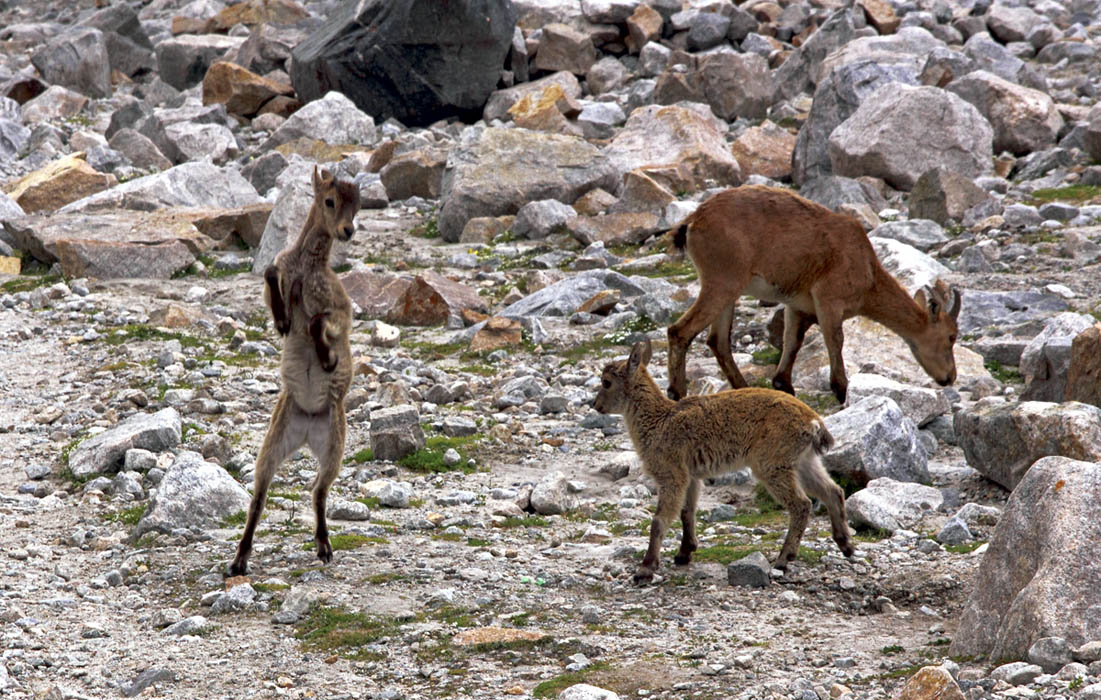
{"x":606,"y":384}
{"x":330,"y":203}
{"x":951,"y":339}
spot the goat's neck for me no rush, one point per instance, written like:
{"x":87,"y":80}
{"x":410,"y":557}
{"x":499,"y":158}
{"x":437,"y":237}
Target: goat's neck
{"x":315,"y":242}
{"x":888,"y":303}
{"x":647,"y":405}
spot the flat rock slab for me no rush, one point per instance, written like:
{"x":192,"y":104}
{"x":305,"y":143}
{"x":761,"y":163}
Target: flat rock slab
{"x":115,"y":260}
{"x":195,"y":184}
{"x":104,"y":452}
{"x":39,"y":234}
{"x":495,"y":635}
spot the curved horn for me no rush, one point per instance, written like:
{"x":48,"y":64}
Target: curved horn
{"x":957,"y":302}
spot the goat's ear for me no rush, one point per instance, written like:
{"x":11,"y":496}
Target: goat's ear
{"x":920,"y":299}
{"x":316,"y":178}
{"x":957,"y":302}
{"x":640,"y":356}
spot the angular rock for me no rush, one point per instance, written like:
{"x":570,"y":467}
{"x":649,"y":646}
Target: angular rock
{"x":1084,"y":369}
{"x":798,"y":72}
{"x":551,"y":495}
{"x":892,"y":505}
{"x":541,"y":218}
{"x":105,"y":452}
{"x":501,"y":101}
{"x":183,"y":60}
{"x":233,"y":227}
{"x":1050,"y":653}
{"x":116,"y":260}
{"x":77,"y":60}
{"x":980,"y":310}
{"x":991,"y":56}
{"x":418,"y":64}
{"x":1002,"y":440}
{"x":765,"y":150}
{"x":494,"y":171}
{"x":240,"y":90}
{"x":899,"y":132}
{"x":680,"y":146}
{"x":395,"y":433}
{"x":192,"y":142}
{"x":1016,"y":673}
{"x":1011,"y":23}
{"x":615,"y":229}
{"x":1092,"y":138}
{"x":193,"y":493}
{"x":1024,"y":120}
{"x":13,"y":139}
{"x":881,"y":15}
{"x":392,"y":494}
{"x":918,"y":233}
{"x":139,"y":150}
{"x":751,"y":571}
{"x":1039,"y":576}
{"x":919,"y":404}
{"x":198,"y":184}
{"x":433,"y":299}
{"x":930,"y":682}
{"x":257,"y":12}
{"x":414,"y":174}
{"x":584,"y":691}
{"x":874,"y":439}
{"x":128,"y":47}
{"x":641,"y":193}
{"x":60,"y":182}
{"x":643,"y":26}
{"x":563,"y":48}
{"x":736,"y":84}
{"x":56,"y":102}
{"x":289,"y":214}
{"x":565,"y":297}
{"x":498,"y":332}
{"x":334,"y":119}
{"x":1046,"y":359}
{"x":375,"y":293}
{"x":940,"y":195}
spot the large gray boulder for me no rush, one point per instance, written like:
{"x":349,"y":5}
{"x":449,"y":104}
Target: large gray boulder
{"x":564,"y":297}
{"x":681,"y":146}
{"x":887,"y":504}
{"x":798,"y":72}
{"x":1001,"y":440}
{"x":991,"y":56}
{"x":499,"y":102}
{"x":922,"y":234}
{"x":193,"y":493}
{"x":76,"y":60}
{"x":1092,"y":137}
{"x":980,"y":310}
{"x":395,"y":432}
{"x":1039,"y":576}
{"x":909,"y":49}
{"x":919,"y":404}
{"x":1045,"y":360}
{"x":835,"y":99}
{"x":104,"y":452}
{"x":736,"y":84}
{"x":873,"y":439}
{"x":940,"y":195}
{"x":197,"y":184}
{"x":900,"y":131}
{"x":1024,"y":120}
{"x":414,"y":61}
{"x":128,"y":47}
{"x":9,"y":209}
{"x":552,"y":496}
{"x":333,"y":119}
{"x":182,"y":61}
{"x":492,"y":172}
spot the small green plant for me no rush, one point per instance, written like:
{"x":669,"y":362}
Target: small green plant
{"x":429,"y":228}
{"x":349,"y":541}
{"x":891,"y":649}
{"x":430,"y":459}
{"x":235,"y":520}
{"x":364,"y":455}
{"x":525,"y":521}
{"x":1076,"y":683}
{"x":1067,"y":193}
{"x":142,"y":331}
{"x":27,"y":282}
{"x":128,"y":516}
{"x":964,"y":547}
{"x":767,"y":356}
{"x":552,"y":687}
{"x":1004,"y":374}
{"x":334,"y":629}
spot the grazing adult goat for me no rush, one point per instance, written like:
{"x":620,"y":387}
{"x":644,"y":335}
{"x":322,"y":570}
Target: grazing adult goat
{"x":311,"y":308}
{"x":681,"y":442}
{"x":777,"y":246}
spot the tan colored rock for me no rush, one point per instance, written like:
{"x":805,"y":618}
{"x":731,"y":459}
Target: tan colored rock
{"x":240,"y":90}
{"x":254,"y":12}
{"x":312,"y":149}
{"x":56,"y":103}
{"x":765,"y":150}
{"x":173,"y":316}
{"x":498,"y":332}
{"x":641,"y":193}
{"x":483,"y":229}
{"x":230,"y":226}
{"x":595,"y":201}
{"x":601,"y":303}
{"x":117,"y":260}
{"x":643,"y":26}
{"x":625,"y":228}
{"x":375,"y":293}
{"x":188,"y":25}
{"x":931,"y":683}
{"x":281,"y":106}
{"x":414,"y":173}
{"x":881,"y":15}
{"x":495,"y":635}
{"x":565,"y":48}
{"x":545,"y":111}
{"x":1084,"y":372}
{"x":10,"y":265}
{"x":433,"y":299}
{"x":501,"y":101}
{"x":58,"y":183}
{"x":381,"y":155}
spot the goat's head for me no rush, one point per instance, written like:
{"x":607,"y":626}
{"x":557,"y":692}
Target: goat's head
{"x":933,"y":347}
{"x":338,"y":201}
{"x":615,"y":382}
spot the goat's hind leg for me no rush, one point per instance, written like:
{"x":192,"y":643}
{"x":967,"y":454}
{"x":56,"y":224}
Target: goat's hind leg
{"x":670,"y":502}
{"x":286,"y":433}
{"x":817,"y":482}
{"x":326,"y":438}
{"x":719,"y":342}
{"x":782,"y":484}
{"x":688,"y":541}
{"x":709,"y":304}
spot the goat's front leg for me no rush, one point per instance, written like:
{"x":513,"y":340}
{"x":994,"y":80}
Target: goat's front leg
{"x":670,"y":500}
{"x":321,"y":342}
{"x":688,"y":541}
{"x":275,"y":300}
{"x":796,"y":324}
{"x":831,"y":333}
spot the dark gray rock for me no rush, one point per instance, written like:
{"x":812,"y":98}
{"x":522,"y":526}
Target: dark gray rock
{"x":940,"y":194}
{"x":796,"y":73}
{"x":991,"y":56}
{"x":982,"y":310}
{"x":76,"y":60}
{"x":1050,"y":653}
{"x":182,"y":61}
{"x":751,"y":571}
{"x":263,"y":171}
{"x":128,"y":47}
{"x":147,"y":678}
{"x":707,"y":30}
{"x":832,"y":191}
{"x":14,"y":137}
{"x":413,"y":62}
{"x":395,"y":432}
{"x":736,"y":84}
{"x":1045,"y":360}
{"x":194,"y":493}
{"x":139,"y":150}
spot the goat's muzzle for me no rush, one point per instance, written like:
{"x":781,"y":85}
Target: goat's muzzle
{"x":347,"y":232}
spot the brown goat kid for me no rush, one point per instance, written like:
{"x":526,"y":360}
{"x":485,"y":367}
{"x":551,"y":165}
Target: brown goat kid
{"x":311,"y":308}
{"x":778,"y":246}
{"x":681,"y":442}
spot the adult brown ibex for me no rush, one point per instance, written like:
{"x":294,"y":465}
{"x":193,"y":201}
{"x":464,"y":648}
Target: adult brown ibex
{"x":681,"y":442}
{"x":310,"y":307}
{"x":778,"y":246}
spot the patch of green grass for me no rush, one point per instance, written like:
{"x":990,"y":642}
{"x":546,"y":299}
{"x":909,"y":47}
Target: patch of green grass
{"x":763,"y":500}
{"x":128,"y":516}
{"x":429,"y":459}
{"x":433,"y":351}
{"x":371,"y":502}
{"x":67,"y":450}
{"x":429,"y":228}
{"x":869,"y":534}
{"x":386,"y":577}
{"x":767,"y":356}
{"x":349,"y":541}
{"x":1067,"y":193}
{"x":964,"y":547}
{"x":823,"y":402}
{"x":364,"y":455}
{"x":1004,"y":374}
{"x":1076,"y":683}
{"x":552,"y":687}
{"x":271,"y":587}
{"x":513,"y":645}
{"x":892,"y":649}
{"x":904,"y":672}
{"x":335,"y":630}
{"x":525,"y":521}
{"x":448,"y":536}
{"x":604,"y":446}
{"x":286,"y":495}
{"x":476,"y":542}
{"x":143,"y":331}
{"x":725,"y":553}
{"x":234,"y":520}
{"x":452,"y":615}
{"x":27,"y":282}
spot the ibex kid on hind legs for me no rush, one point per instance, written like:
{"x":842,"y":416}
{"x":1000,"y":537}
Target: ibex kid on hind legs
{"x":312,"y":310}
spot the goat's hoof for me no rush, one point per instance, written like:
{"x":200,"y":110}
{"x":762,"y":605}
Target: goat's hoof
{"x":683,"y":559}
{"x":329,"y":366}
{"x":283,"y":328}
{"x":847,"y":550}
{"x":784,"y":386}
{"x":325,"y":551}
{"x":643,"y":577}
{"x":672,"y":394}
{"x":237,"y":568}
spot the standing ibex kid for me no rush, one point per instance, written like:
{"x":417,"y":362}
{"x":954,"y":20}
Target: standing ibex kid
{"x":777,"y":246}
{"x":681,"y":442}
{"x":311,"y":308}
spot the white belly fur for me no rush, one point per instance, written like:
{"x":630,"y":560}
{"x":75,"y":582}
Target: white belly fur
{"x":303,"y":376}
{"x":761,"y":288}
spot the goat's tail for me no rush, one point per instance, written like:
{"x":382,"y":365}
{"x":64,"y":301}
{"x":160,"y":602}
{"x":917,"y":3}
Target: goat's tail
{"x":822,"y":441}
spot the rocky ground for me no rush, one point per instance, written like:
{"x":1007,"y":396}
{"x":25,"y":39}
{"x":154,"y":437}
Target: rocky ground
{"x":487,"y":521}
